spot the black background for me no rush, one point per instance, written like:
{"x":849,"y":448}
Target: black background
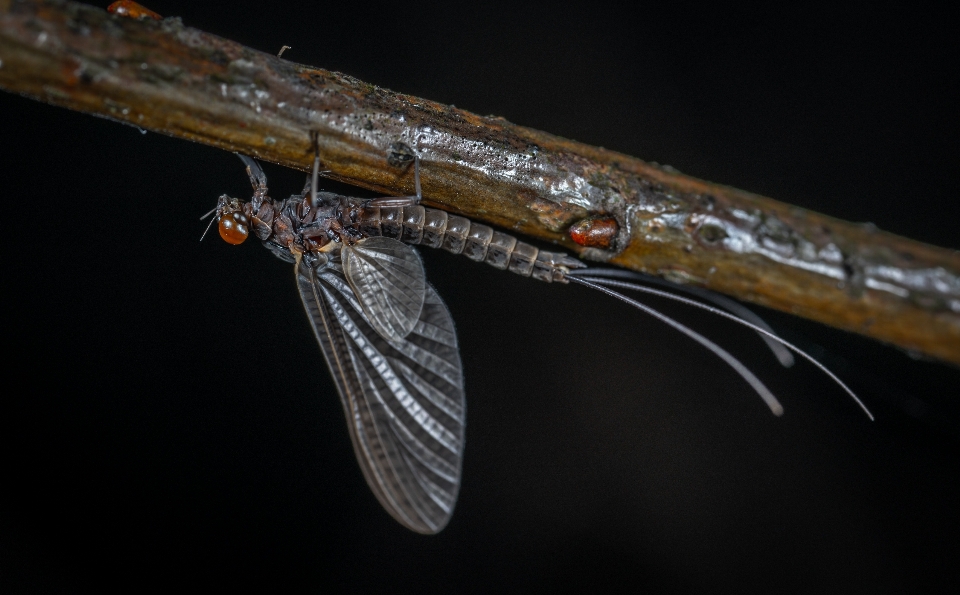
{"x":172,"y":423}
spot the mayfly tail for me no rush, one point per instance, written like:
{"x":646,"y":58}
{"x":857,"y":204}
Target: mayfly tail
{"x":602,"y":284}
{"x":733,"y":362}
{"x":779,"y":351}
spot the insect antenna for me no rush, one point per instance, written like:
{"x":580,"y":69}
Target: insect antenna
{"x":215,"y":209}
{"x":597,"y":280}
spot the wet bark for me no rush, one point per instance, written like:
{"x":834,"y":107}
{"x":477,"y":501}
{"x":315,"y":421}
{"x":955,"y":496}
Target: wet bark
{"x":164,"y":77}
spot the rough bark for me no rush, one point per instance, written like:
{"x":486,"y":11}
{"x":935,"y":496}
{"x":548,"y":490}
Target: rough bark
{"x":162,"y":76}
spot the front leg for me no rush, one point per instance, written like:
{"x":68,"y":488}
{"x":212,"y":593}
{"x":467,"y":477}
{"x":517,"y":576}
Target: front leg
{"x":258,"y":179}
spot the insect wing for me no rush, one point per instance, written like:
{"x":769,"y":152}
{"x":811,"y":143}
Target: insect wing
{"x":403,"y":399}
{"x":387,"y":277}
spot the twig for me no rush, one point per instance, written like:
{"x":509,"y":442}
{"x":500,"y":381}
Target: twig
{"x":171,"y":79}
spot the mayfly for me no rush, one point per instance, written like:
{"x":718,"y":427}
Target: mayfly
{"x":388,"y":338}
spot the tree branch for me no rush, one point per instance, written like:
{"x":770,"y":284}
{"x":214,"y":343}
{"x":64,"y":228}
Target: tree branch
{"x":609,"y":207}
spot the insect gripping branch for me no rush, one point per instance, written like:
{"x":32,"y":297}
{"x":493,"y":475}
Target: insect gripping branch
{"x":387,"y":337}
{"x":162,"y":76}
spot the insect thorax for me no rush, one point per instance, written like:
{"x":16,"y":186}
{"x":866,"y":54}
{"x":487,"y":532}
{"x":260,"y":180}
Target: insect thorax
{"x":296,"y":226}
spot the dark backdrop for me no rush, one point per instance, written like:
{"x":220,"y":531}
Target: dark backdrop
{"x":172,"y":423}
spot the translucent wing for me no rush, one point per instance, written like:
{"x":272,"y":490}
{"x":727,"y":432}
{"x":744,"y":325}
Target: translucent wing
{"x":387,"y":278}
{"x":403,"y":398}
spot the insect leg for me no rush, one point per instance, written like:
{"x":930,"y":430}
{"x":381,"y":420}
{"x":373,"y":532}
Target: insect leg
{"x":258,"y":179}
{"x":315,"y":175}
{"x":400,"y":155}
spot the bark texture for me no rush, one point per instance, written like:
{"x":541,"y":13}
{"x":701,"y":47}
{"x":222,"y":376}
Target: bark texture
{"x":609,"y":207}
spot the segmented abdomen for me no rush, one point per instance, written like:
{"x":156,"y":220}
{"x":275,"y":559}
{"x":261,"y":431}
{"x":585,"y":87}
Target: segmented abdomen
{"x":438,"y":229}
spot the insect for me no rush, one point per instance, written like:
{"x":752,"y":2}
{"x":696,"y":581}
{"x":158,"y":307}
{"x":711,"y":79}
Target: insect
{"x":387,"y":337}
{"x":389,"y":340}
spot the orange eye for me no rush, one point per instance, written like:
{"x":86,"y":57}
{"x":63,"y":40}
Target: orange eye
{"x":234,"y":228}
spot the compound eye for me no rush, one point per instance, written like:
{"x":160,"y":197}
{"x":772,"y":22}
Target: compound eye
{"x":234,"y":228}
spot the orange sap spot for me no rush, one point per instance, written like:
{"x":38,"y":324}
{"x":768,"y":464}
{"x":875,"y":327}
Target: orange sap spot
{"x":126,"y":8}
{"x":595,"y":232}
